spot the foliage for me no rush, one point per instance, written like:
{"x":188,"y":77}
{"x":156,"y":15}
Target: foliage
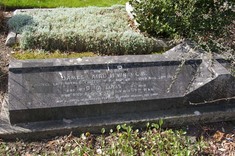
{"x":125,"y":140}
{"x":205,"y":22}
{"x":102,"y":30}
{"x":18,"y":23}
{"x":183,"y":17}
{"x":58,"y":3}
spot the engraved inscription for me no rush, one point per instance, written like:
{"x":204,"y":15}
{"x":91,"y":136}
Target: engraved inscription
{"x":74,"y":87}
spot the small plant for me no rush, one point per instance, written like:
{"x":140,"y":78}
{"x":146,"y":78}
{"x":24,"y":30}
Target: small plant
{"x":153,"y":141}
{"x":124,"y":141}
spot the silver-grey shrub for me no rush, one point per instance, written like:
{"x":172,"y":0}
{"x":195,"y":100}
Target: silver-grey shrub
{"x":20,"y":23}
{"x":102,"y":30}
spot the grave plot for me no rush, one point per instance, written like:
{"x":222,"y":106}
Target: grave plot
{"x":56,"y":96}
{"x":103,"y":30}
{"x":60,"y":95}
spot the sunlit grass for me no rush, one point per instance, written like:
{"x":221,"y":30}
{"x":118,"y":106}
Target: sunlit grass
{"x":58,"y":3}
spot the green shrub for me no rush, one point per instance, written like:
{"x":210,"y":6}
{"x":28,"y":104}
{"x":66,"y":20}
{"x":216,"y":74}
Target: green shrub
{"x":162,"y":17}
{"x":182,"y":17}
{"x":203,"y":21}
{"x":102,"y":30}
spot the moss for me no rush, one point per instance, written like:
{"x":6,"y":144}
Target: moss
{"x":46,"y":55}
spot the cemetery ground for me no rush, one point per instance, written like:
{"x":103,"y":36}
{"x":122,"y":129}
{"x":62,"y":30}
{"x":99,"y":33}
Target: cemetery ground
{"x":202,"y":139}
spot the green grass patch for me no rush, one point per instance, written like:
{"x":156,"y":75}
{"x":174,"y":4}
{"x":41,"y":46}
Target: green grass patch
{"x":48,"y":55}
{"x":58,"y":3}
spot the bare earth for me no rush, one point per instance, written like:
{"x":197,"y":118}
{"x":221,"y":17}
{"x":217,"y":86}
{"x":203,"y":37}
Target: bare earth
{"x":4,"y":59}
{"x":220,"y":136}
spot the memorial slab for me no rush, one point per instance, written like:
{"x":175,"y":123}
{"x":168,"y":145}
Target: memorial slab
{"x":110,"y":90}
{"x":55,"y":89}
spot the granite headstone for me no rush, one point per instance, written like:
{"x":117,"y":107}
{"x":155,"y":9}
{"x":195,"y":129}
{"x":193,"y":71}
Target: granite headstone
{"x":57,"y":89}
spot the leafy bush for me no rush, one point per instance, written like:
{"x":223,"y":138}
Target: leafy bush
{"x":204,"y":21}
{"x":182,"y":17}
{"x":102,"y":30}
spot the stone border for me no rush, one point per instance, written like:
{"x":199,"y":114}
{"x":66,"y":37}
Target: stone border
{"x":39,"y":130}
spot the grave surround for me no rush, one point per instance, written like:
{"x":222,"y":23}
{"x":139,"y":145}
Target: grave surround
{"x":86,"y":93}
{"x":53,"y":89}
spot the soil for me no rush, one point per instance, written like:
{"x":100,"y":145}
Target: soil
{"x":4,"y":61}
{"x":220,"y":136}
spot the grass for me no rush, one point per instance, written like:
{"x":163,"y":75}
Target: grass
{"x":58,"y":3}
{"x":47,"y":55}
{"x":124,"y":140}
{"x":40,"y":54}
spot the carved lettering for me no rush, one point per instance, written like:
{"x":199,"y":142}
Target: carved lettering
{"x":85,"y":86}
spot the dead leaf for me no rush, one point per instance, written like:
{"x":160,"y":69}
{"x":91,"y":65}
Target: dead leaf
{"x":51,"y":143}
{"x":218,"y":136}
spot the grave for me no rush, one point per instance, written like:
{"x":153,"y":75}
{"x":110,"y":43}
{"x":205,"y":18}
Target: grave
{"x":179,"y":86}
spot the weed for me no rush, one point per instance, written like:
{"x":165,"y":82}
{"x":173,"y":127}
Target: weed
{"x":125,"y":140}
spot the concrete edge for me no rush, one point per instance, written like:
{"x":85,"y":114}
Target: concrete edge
{"x":192,"y":115}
